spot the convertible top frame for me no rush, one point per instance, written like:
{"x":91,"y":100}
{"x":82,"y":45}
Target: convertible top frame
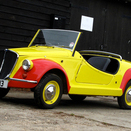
{"x":101,"y":53}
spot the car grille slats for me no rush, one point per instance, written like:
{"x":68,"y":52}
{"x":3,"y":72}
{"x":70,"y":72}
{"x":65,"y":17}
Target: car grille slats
{"x":7,"y":61}
{"x":1,"y":56}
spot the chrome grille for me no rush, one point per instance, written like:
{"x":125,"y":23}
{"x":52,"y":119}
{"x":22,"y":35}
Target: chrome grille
{"x":7,"y":62}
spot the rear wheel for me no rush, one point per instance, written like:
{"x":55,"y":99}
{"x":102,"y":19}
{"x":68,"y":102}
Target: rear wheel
{"x":124,"y":101}
{"x":49,"y":91}
{"x":77,"y":98}
{"x":3,"y":92}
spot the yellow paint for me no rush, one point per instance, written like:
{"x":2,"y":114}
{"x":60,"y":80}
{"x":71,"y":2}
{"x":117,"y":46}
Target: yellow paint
{"x":92,"y":89}
{"x":83,"y":78}
{"x":34,"y":37}
{"x":89,"y":74}
{"x":54,"y":54}
{"x":127,"y":102}
{"x":111,"y":88}
{"x":17,"y":66}
{"x":56,"y":95}
{"x":31,"y":66}
{"x":76,"y":42}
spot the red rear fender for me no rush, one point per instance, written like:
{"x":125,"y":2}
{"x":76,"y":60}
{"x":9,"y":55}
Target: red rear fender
{"x":126,"y":79}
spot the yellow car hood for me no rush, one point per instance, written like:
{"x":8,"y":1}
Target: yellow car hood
{"x":42,"y":50}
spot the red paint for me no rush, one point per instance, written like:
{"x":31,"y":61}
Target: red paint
{"x":24,"y":75}
{"x":126,"y":78}
{"x":41,"y":66}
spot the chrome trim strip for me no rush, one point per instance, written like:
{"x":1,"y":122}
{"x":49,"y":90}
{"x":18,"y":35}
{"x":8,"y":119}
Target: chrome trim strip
{"x":102,"y":52}
{"x":29,"y":81}
{"x":3,"y":60}
{"x":14,"y":63}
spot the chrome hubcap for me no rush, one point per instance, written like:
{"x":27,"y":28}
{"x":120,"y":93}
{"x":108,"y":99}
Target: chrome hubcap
{"x":50,"y":92}
{"x":128,"y":96}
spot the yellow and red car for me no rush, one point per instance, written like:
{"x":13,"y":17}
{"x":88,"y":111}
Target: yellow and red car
{"x":51,"y":66}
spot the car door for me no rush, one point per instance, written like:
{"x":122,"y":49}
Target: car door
{"x":93,"y":71}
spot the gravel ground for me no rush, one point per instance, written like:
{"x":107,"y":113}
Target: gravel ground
{"x":18,"y":112}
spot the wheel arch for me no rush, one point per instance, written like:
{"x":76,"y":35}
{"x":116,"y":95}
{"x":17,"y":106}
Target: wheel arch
{"x":49,"y":66}
{"x":63,"y":77}
{"x":126,"y":79}
{"x":124,"y":101}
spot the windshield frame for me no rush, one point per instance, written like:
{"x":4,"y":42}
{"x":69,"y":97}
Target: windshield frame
{"x":58,"y":30}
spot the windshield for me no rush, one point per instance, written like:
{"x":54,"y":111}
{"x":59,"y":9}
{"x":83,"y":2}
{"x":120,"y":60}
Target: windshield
{"x":52,"y":37}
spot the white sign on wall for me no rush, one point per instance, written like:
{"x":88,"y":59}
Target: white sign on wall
{"x":86,"y":23}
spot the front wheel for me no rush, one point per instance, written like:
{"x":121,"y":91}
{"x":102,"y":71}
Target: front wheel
{"x":49,"y":91}
{"x":3,"y":92}
{"x":124,"y":101}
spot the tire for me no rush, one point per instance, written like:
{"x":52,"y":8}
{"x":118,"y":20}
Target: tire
{"x":77,"y":98}
{"x":49,"y":91}
{"x":124,"y":101}
{"x":3,"y":92}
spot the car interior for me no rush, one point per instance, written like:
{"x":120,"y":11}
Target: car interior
{"x":104,"y":64}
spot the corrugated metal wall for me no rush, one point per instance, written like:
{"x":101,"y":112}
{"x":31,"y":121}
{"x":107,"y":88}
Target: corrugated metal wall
{"x":20,"y":19}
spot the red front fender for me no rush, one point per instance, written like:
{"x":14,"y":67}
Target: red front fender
{"x":40,"y":67}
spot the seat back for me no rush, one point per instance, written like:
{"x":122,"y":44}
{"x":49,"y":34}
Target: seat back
{"x":100,"y":63}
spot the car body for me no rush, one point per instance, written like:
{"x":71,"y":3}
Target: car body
{"x":51,"y":66}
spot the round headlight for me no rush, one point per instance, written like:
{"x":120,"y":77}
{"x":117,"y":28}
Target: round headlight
{"x":27,"y":65}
